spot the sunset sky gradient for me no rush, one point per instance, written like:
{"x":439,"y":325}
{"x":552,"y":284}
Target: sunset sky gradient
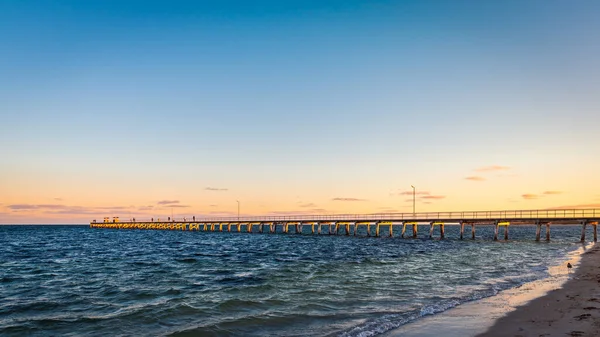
{"x":143,"y":108}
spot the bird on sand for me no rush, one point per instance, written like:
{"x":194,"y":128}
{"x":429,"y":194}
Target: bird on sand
{"x":569,"y":266}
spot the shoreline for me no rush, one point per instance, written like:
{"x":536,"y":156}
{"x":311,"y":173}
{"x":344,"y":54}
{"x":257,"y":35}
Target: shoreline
{"x":487,"y":316}
{"x":571,"y":310}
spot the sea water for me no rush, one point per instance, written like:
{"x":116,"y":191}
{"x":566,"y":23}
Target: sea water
{"x":73,"y":280}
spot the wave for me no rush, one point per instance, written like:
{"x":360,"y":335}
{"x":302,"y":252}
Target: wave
{"x":389,"y":322}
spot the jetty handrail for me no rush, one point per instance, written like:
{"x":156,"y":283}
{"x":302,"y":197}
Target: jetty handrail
{"x":458,"y":215}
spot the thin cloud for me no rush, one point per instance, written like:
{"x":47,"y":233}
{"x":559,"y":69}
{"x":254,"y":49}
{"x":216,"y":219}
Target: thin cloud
{"x":581,"y":206}
{"x":552,"y":192}
{"x":179,"y":206}
{"x":531,"y":196}
{"x":308,"y":205}
{"x":167,"y":202}
{"x":78,"y":211}
{"x":416,"y":193}
{"x":312,"y":211}
{"x":347,"y":199}
{"x":30,"y":207}
{"x":216,"y":189}
{"x":213,"y":205}
{"x":65,"y":209}
{"x":475,"y":178}
{"x":492,"y":168}
{"x":58,"y":199}
{"x":433,"y":197}
{"x":318,"y":210}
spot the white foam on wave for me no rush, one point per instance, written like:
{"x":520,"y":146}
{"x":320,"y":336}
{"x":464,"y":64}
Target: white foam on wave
{"x":392,"y":321}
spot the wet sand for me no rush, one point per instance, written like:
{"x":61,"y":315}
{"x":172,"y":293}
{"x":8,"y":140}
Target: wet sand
{"x":501,"y":315}
{"x":572,"y":310}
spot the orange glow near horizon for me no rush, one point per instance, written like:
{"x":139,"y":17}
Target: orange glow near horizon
{"x":78,"y":204}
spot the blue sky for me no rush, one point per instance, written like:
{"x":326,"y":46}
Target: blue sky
{"x":288,"y":100}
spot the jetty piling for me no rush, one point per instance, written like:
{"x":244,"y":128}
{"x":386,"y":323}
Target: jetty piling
{"x":498,"y":219}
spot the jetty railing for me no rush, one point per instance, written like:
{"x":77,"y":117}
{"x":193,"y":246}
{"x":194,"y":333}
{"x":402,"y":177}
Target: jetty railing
{"x":462,"y":215}
{"x":346,"y":222}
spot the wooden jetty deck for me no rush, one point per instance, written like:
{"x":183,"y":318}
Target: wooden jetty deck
{"x":350,"y":223}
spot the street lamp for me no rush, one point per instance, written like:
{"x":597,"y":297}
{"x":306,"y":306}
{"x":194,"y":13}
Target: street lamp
{"x":238,"y":209}
{"x":413,"y":200}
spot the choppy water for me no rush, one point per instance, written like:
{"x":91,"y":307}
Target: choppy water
{"x":72,"y":280}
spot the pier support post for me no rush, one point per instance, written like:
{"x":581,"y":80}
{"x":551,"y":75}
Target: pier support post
{"x":496,"y":231}
{"x":462,"y":230}
{"x":414,"y":227}
{"x":369,"y":229}
{"x":330,"y":229}
{"x":347,"y":228}
{"x":538,"y":231}
{"x":442,"y":232}
{"x":377,"y":229}
{"x":506,"y":233}
{"x":403,"y":229}
{"x":261,"y":227}
{"x":583,"y":225}
{"x":431,"y":230}
{"x":547,"y":232}
{"x":355,"y":228}
{"x":299,"y":228}
{"x":595,"y":232}
{"x":319,"y":228}
{"x":391,"y":229}
{"x":336,"y":228}
{"x":472,"y":231}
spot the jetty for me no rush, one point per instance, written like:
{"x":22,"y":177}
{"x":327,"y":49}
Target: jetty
{"x":349,"y":224}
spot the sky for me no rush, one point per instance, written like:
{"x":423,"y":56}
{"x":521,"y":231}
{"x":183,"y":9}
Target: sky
{"x":151,"y":108}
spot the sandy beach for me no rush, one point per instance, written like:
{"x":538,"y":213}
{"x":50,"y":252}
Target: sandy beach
{"x":477,"y":317}
{"x":572,"y":310}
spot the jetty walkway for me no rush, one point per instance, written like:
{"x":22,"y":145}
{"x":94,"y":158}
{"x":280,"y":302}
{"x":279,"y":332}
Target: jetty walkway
{"x":373,"y":223}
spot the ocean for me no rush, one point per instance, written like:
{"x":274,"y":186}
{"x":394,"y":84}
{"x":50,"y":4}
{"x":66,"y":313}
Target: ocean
{"x":73,"y":280}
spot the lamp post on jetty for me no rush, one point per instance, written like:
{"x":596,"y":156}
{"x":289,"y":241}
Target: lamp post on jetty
{"x":238,"y":209}
{"x":413,"y":200}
